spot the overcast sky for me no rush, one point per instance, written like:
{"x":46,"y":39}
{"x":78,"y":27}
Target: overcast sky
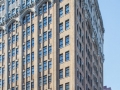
{"x":110,"y":10}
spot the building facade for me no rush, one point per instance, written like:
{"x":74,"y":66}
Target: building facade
{"x":51,"y":45}
{"x":106,"y":88}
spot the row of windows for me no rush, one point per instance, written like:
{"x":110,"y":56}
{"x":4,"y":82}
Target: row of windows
{"x":28,"y":86}
{"x":43,"y":80}
{"x":29,"y":44}
{"x":13,"y":78}
{"x":2,"y":45}
{"x":27,"y":18}
{"x":27,"y":3}
{"x":45,"y":65}
{"x":28,"y":57}
{"x":66,"y":10}
{"x":67,"y":41}
{"x":27,"y":32}
{"x":2,"y":83}
{"x":45,"y":22}
{"x":2,"y":70}
{"x":14,"y":52}
{"x":44,"y":51}
{"x":13,"y":39}
{"x":67,"y":86}
{"x":2,"y":7}
{"x":67,"y":26}
{"x":28,"y":72}
{"x":67,"y":57}
{"x":67,"y":72}
{"x":13,"y":12}
{"x":11,"y":2}
{"x":13,"y":65}
{"x":43,"y":9}
{"x":2,"y":58}
{"x":45,"y":36}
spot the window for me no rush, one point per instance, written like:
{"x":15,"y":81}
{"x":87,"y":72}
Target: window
{"x":32,"y":56}
{"x":17,"y":37}
{"x":40,"y":53}
{"x":66,"y":86}
{"x":13,"y":77}
{"x":60,"y":0}
{"x":45,"y":8}
{"x":66,"y":24}
{"x":24,"y":61}
{"x":40,"y":25}
{"x":66,"y":8}
{"x":45,"y":50}
{"x":45,"y":65}
{"x":13,"y":64}
{"x":24,"y":74}
{"x":28,"y":30}
{"x":28,"y":72}
{"x":23,"y":48}
{"x":49,"y":4}
{"x":49,"y":34}
{"x":60,"y":58}
{"x":40,"y":10}
{"x":61,"y":43}
{"x":28,"y":44}
{"x":9,"y":54}
{"x":60,"y":73}
{"x":13,"y":38}
{"x":49,"y":64}
{"x":49,"y":78}
{"x":0,"y":46}
{"x":13,"y":1}
{"x":67,"y":56}
{"x":60,"y":87}
{"x":16,"y":76}
{"x":45,"y":79}
{"x":40,"y":68}
{"x":28,"y":18}
{"x":32,"y":28}
{"x":32,"y":42}
{"x":9,"y":67}
{"x":17,"y":64}
{"x":17,"y":50}
{"x":32,"y":84}
{"x":61,"y":12}
{"x":13,"y":11}
{"x":32,"y":70}
{"x":13,"y":52}
{"x":28,"y":58}
{"x":45,"y":36}
{"x":28,"y":86}
{"x":49,"y":49}
{"x":79,"y":17}
{"x":49,"y":19}
{"x":32,"y":15}
{"x":40,"y":81}
{"x":23,"y":87}
{"x":40,"y":39}
{"x":66,"y":71}
{"x":67,"y":40}
{"x":0,"y":58}
{"x":9,"y":80}
{"x":45,"y":21}
{"x":61,"y":27}
{"x":24,"y":34}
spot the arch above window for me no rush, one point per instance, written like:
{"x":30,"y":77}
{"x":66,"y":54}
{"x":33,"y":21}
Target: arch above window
{"x":27,"y":11}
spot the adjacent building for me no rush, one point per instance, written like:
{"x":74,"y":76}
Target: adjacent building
{"x":51,"y":45}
